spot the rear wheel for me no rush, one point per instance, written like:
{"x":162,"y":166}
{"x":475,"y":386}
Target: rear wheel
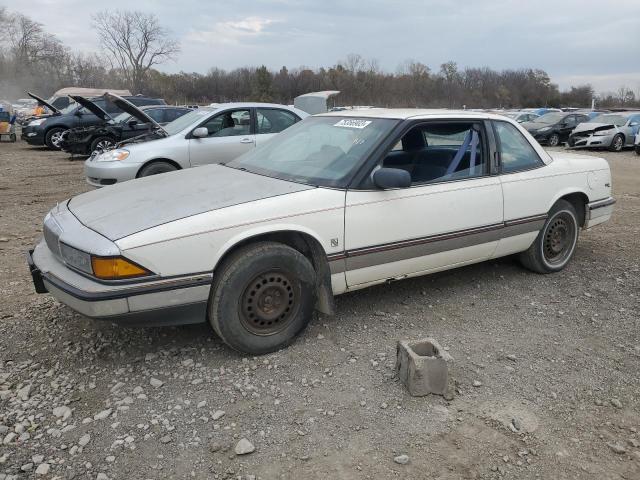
{"x":263,"y":295}
{"x":556,"y":243}
{"x":101,"y":144}
{"x":155,"y":168}
{"x":617,"y":143}
{"x":554,"y":140}
{"x":53,"y":138}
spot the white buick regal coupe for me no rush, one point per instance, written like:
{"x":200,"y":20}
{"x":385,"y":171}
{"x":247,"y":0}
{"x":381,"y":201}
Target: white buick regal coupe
{"x":337,"y":202}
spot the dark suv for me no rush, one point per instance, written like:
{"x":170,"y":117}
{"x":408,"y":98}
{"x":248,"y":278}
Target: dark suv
{"x":48,"y":130}
{"x":554,"y":128}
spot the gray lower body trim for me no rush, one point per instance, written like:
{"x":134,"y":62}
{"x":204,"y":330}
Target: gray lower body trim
{"x":420,"y":247}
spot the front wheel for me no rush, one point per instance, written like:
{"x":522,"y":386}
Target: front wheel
{"x":554,"y":140}
{"x":637,"y":149}
{"x":100,"y":144}
{"x":53,"y":138}
{"x":262,"y":296}
{"x":555,"y":244}
{"x":156,"y":168}
{"x":617,"y":143}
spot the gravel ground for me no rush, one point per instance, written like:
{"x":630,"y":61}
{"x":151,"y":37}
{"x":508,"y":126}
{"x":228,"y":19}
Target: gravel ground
{"x":545,"y":370}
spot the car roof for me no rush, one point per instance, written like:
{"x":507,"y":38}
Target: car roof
{"x":412,"y":113}
{"x":219,"y":106}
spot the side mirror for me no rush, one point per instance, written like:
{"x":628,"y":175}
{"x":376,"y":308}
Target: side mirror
{"x":200,"y":132}
{"x":387,"y":178}
{"x":132,"y":123}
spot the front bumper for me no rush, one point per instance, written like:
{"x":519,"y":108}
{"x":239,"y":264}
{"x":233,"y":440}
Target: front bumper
{"x":599,"y":212}
{"x":591,"y":141}
{"x":32,"y":135}
{"x":161,"y":301}
{"x":100,"y":174}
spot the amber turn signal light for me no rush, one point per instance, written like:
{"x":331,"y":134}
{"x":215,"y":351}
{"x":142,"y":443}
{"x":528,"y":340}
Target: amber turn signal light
{"x":116,"y":268}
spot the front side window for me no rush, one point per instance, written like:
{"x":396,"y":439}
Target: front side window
{"x":230,"y":123}
{"x":439,"y":152}
{"x":516,"y":153}
{"x":273,"y":120}
{"x":320,"y":150}
{"x":570,"y":121}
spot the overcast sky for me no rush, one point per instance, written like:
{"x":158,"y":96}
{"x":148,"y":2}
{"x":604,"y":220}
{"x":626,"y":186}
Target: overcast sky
{"x":575,"y":41}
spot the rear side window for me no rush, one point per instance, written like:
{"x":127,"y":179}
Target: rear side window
{"x":272,"y":120}
{"x":156,"y":113}
{"x":170,"y":114}
{"x":516,"y":153}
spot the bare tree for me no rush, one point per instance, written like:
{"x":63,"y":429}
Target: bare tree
{"x":134,"y":42}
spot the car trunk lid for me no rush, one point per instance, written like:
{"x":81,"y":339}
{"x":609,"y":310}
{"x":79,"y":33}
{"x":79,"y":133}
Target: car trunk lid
{"x":126,"y":208}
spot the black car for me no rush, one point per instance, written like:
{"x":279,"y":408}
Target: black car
{"x":554,"y":128}
{"x":85,"y":140}
{"x":48,"y":130}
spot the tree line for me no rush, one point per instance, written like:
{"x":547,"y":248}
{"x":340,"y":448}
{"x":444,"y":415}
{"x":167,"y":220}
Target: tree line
{"x":133,"y":44}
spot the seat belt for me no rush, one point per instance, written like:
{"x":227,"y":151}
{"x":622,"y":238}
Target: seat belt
{"x":471,"y":137}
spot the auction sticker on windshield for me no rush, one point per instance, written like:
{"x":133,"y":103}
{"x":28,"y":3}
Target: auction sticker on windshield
{"x":352,"y":123}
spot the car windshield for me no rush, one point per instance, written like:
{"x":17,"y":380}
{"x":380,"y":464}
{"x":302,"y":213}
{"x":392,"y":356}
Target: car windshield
{"x":550,"y":118}
{"x":612,"y":119}
{"x":184,"y":121}
{"x":321,"y":151}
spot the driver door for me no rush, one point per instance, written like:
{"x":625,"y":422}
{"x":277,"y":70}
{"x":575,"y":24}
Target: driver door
{"x":231,"y":133}
{"x":448,"y":216}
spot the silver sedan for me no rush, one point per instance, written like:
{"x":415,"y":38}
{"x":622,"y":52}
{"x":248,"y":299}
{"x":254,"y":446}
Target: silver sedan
{"x":614,"y":131}
{"x":205,"y":136}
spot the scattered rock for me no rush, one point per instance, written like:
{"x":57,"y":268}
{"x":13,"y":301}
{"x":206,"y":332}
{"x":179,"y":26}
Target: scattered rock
{"x":63,"y":412}
{"x":218,"y":414}
{"x":617,"y":448}
{"x":477,"y":383}
{"x":166,"y":439}
{"x":156,"y":383}
{"x":102,"y":415}
{"x":616,"y":403}
{"x":84,"y":440}
{"x":401,"y":459}
{"x":43,"y":469}
{"x":24,"y":393}
{"x":244,"y":447}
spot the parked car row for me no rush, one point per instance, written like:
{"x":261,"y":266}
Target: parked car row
{"x":340,"y":201}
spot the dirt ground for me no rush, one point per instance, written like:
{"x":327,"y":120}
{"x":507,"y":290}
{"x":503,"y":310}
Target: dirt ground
{"x":546,"y":370}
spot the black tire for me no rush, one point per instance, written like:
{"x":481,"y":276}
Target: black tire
{"x":556,"y":243}
{"x":554,"y":140}
{"x":101,"y":143}
{"x":155,"y":168}
{"x":617,"y":143}
{"x":637,"y":149}
{"x":262,"y":297}
{"x":571,"y":142}
{"x":53,"y":137}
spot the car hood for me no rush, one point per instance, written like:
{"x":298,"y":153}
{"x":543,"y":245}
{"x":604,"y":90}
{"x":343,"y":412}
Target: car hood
{"x":126,"y":208}
{"x":43,"y":102}
{"x":131,"y":109}
{"x":92,"y":107}
{"x":593,"y":126}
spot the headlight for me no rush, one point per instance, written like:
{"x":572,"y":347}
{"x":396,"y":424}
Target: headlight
{"x":602,"y":132}
{"x":113,"y":155}
{"x":34,"y":123}
{"x":76,"y":258}
{"x":544,"y":129}
{"x":105,"y":268}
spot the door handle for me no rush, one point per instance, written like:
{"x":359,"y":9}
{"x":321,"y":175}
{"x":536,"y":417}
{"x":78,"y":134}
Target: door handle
{"x":246,"y":140}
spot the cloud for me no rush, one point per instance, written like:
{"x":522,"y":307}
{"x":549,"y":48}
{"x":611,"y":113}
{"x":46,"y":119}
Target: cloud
{"x":231,"y":32}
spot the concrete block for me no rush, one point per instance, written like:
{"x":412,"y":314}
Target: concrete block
{"x":423,"y":367}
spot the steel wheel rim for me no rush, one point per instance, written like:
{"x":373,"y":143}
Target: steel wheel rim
{"x":554,"y":140}
{"x":269,"y":303}
{"x":56,"y":138}
{"x":559,"y":238}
